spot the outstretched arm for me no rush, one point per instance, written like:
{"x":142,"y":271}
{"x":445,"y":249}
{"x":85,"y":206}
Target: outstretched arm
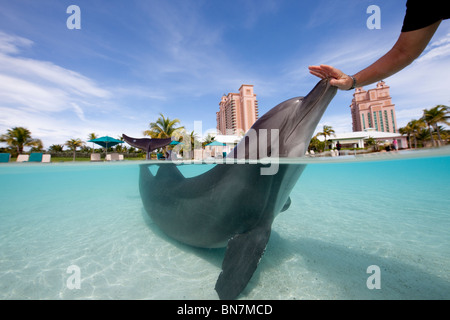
{"x":408,"y":47}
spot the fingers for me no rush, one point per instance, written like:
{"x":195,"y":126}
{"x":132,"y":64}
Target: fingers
{"x":326,"y":71}
{"x":331,"y":71}
{"x":336,"y":76}
{"x":318,"y":72}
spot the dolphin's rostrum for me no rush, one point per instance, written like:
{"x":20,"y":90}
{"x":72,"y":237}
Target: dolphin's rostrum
{"x":234,"y":205}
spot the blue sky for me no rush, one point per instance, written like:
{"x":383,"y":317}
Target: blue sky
{"x":132,"y":60}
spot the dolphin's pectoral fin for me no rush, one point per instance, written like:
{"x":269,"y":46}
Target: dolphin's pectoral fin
{"x":286,"y":205}
{"x":244,"y":251}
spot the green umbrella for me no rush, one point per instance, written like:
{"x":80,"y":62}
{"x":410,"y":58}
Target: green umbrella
{"x":216,"y":143}
{"x":106,"y":142}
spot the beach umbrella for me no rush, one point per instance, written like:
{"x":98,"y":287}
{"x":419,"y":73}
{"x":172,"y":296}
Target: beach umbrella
{"x":216,"y":144}
{"x":106,"y":142}
{"x":174,"y":143}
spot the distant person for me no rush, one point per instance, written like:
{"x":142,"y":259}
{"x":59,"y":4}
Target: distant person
{"x":421,"y":20}
{"x":338,"y":147}
{"x":394,"y":145}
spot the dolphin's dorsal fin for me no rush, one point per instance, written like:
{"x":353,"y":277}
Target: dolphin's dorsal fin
{"x":244,"y":251}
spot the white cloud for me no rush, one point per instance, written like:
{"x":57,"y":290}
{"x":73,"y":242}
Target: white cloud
{"x":46,"y":98}
{"x":340,"y":123}
{"x":11,"y":44}
{"x":436,"y":49}
{"x":79,"y":112}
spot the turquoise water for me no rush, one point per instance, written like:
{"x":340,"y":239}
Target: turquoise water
{"x":347,"y":214}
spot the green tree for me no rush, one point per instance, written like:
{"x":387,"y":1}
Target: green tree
{"x":327,"y":131}
{"x":372,"y":142}
{"x":423,"y":135}
{"x":73,"y":144}
{"x":434,"y":116}
{"x":412,"y":129}
{"x":316,"y":145}
{"x":209,"y":138}
{"x":120,"y":147}
{"x":193,"y":139}
{"x":163,"y":128}
{"x":56,"y":147}
{"x":92,"y":136}
{"x":18,"y":138}
{"x":406,"y":130}
{"x":38,"y":146}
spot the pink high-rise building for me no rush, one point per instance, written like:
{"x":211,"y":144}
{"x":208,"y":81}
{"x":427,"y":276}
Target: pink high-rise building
{"x":373,"y":109}
{"x":237,"y":111}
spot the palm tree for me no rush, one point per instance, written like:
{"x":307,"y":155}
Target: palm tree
{"x":316,"y":145}
{"x":408,"y":131}
{"x":416,"y":127}
{"x":120,"y":147}
{"x":73,"y":144}
{"x":443,"y":132}
{"x":92,"y":136}
{"x":433,"y":117}
{"x":37,"y":147}
{"x":19,"y":137}
{"x":209,"y":138}
{"x":162,"y":128}
{"x":422,"y":135}
{"x":372,"y":142}
{"x":56,"y":147}
{"x":326,"y":131}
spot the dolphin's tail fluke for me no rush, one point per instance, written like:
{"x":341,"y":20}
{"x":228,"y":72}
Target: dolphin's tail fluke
{"x":244,"y":251}
{"x":146,"y":144}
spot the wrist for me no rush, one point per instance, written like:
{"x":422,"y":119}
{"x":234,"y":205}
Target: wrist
{"x":353,"y":86}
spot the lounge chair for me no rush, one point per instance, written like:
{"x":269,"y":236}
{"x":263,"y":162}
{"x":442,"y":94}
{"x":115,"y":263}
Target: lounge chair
{"x":46,"y":158}
{"x":95,"y":157}
{"x":112,"y":157}
{"x":5,"y":157}
{"x":115,"y":157}
{"x":22,"y":158}
{"x":35,"y":157}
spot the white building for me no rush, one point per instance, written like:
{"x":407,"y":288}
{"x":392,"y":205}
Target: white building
{"x":352,"y":139}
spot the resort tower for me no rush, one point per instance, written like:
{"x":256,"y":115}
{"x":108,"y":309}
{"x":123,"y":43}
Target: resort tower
{"x":373,"y":109}
{"x":237,"y":111}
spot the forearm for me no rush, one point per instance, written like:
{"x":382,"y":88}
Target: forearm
{"x":392,"y":62}
{"x":408,"y":47}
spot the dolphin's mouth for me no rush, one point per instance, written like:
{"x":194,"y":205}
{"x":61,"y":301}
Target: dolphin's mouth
{"x":312,"y":106}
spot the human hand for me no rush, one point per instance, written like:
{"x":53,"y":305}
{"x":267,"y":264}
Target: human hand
{"x":336,"y":76}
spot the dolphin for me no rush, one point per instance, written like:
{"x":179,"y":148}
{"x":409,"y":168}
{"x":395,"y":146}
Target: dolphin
{"x":234,"y":205}
{"x":147,"y":144}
